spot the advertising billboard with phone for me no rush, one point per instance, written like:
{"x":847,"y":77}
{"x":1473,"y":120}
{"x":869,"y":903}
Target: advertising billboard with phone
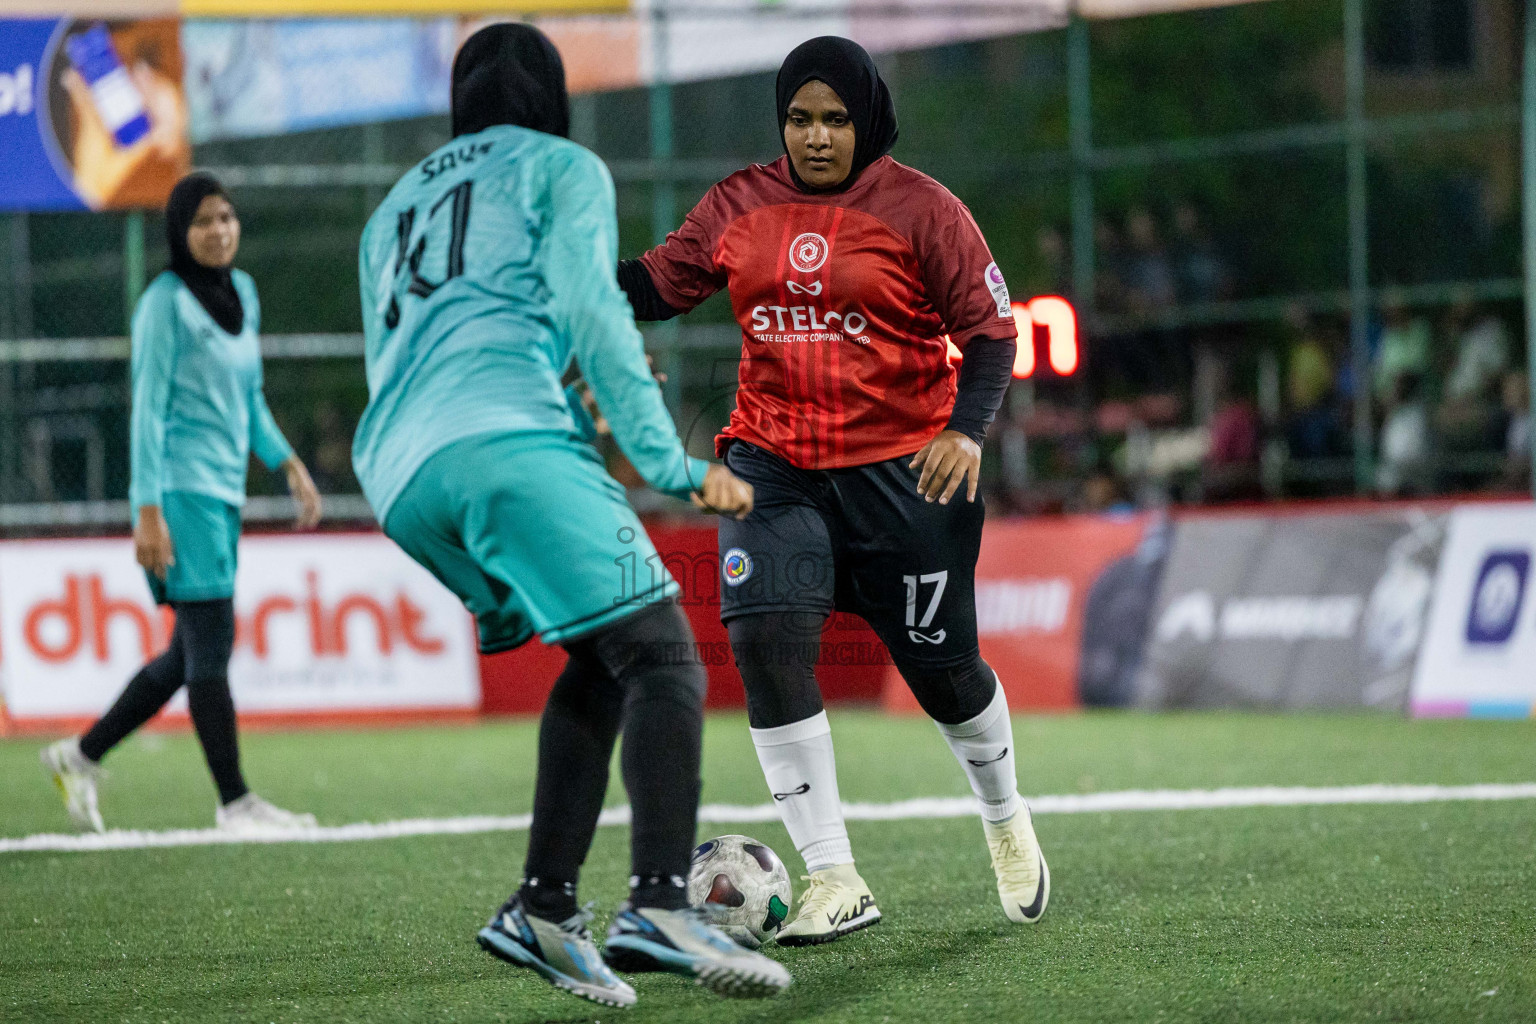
{"x":92,"y":113}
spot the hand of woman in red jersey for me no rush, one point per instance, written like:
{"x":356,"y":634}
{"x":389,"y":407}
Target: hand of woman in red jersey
{"x":948,"y":461}
{"x":152,"y":541}
{"x":724,"y":492}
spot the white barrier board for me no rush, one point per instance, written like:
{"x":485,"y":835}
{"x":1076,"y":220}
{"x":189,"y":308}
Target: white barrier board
{"x":326,"y":623}
{"x":1479,"y":657}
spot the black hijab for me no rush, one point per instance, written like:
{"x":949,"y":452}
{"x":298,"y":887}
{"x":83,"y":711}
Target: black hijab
{"x":844,"y":66}
{"x":510,"y":74}
{"x":214,"y":287}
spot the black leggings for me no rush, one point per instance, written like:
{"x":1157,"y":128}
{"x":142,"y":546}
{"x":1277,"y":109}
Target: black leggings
{"x":198,"y":658}
{"x":641,"y":676}
{"x":776,"y":654}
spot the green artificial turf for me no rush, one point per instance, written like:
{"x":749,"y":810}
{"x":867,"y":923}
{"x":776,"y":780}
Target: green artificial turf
{"x":1342,"y":913}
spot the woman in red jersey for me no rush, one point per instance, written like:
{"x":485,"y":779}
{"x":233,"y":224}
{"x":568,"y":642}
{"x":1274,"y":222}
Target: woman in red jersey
{"x":847,"y":271}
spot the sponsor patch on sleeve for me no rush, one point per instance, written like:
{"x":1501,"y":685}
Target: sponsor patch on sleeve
{"x":999,"y":289}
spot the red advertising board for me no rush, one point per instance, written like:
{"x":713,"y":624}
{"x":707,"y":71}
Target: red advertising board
{"x":852,"y":665}
{"x":371,"y":637}
{"x":1032,"y":585}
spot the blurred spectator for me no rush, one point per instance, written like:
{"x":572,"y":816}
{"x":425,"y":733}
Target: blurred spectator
{"x":330,"y":461}
{"x":1202,"y":274}
{"x":1517,"y":435}
{"x":1404,"y":466}
{"x":1482,"y":351}
{"x":1054,"y":275}
{"x":1106,"y":492}
{"x":1311,"y":419}
{"x":1231,"y":469}
{"x":1011,"y":442}
{"x":1148,"y":273}
{"x":1469,"y":418}
{"x":1405,"y":346}
{"x":1109,"y":266}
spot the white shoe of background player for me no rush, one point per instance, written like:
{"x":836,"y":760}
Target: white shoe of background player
{"x":76,"y":776}
{"x":251,"y":813}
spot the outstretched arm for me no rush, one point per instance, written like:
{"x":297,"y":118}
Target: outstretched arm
{"x":641,"y":291}
{"x":582,"y":236}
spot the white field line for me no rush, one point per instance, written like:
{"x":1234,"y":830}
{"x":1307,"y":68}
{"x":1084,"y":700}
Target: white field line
{"x":731,"y":814}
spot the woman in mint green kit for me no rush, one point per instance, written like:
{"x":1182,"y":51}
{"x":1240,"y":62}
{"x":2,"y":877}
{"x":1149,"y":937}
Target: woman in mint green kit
{"x":198,"y":415}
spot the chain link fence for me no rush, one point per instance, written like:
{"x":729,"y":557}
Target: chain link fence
{"x":1249,"y":207}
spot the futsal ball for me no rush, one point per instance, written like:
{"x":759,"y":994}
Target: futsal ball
{"x":744,"y":885}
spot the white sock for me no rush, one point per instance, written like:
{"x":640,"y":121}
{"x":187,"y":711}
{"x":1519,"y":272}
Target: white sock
{"x":801,"y":772}
{"x":984,"y":748}
{"x":76,"y":757}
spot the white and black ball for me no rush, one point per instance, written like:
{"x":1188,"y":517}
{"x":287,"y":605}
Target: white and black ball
{"x":745,"y":886}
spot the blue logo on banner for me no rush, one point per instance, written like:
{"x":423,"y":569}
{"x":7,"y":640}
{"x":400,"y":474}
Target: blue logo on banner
{"x":1498,"y":597}
{"x":30,"y":178}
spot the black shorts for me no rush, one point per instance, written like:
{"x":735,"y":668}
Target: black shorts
{"x":859,"y":540}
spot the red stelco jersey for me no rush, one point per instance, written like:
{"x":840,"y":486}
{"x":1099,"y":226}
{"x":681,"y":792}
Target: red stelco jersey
{"x":844,"y":301}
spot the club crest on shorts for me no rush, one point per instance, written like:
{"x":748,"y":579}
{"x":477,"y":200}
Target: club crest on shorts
{"x":808,"y":252}
{"x":735,"y":566}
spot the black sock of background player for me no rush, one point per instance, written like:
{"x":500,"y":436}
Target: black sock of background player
{"x":144,"y":695}
{"x":576,"y":737}
{"x":210,"y":638}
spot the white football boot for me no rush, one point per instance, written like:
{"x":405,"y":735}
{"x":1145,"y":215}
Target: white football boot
{"x":835,"y":902}
{"x":1023,"y":880}
{"x":251,"y":813}
{"x":76,"y":776}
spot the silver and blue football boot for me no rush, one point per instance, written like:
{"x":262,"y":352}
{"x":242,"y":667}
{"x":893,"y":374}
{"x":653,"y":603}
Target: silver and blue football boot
{"x":563,"y":953}
{"x":684,"y":942}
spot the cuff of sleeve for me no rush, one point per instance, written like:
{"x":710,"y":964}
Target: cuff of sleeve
{"x":694,"y":470}
{"x":970,"y":428}
{"x":138,"y":498}
{"x":996,"y":330}
{"x":278,"y":458}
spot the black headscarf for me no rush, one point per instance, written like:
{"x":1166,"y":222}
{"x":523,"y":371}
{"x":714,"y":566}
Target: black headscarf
{"x":510,"y":74}
{"x":214,"y":287}
{"x":844,"y":66}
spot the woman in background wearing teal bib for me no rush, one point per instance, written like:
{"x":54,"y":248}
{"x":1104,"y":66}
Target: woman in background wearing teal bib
{"x":198,"y":416}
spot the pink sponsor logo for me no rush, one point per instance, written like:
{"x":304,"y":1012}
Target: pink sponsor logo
{"x":77,"y":623}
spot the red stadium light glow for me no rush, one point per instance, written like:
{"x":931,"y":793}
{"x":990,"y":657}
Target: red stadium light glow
{"x":1024,"y":359}
{"x":1059,"y":319}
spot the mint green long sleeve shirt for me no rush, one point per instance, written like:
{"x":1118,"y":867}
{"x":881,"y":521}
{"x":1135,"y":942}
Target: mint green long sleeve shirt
{"x":484,"y":273}
{"x":198,"y":411}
